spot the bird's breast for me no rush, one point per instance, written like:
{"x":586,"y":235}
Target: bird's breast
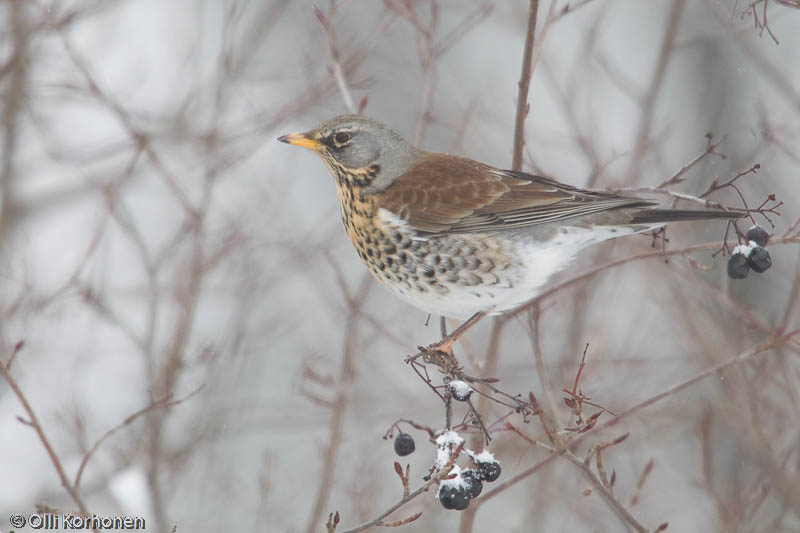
{"x":449,"y":274}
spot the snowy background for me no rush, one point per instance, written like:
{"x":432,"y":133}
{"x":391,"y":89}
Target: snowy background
{"x":159,"y":246}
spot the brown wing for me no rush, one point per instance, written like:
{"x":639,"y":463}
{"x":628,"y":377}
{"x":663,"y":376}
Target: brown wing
{"x":444,"y":194}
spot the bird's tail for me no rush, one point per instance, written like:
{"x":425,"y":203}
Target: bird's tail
{"x":663,"y":216}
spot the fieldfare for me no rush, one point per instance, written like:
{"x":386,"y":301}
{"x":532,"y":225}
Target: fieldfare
{"x":456,"y":237}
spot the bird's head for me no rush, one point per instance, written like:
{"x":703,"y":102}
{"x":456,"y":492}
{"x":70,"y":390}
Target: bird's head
{"x":358,"y":151}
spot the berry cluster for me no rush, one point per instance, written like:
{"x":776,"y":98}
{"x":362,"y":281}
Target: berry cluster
{"x":752,"y":255}
{"x":462,"y":485}
{"x":456,"y":492}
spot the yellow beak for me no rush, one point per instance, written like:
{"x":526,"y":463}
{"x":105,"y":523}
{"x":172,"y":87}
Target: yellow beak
{"x":300,"y":139}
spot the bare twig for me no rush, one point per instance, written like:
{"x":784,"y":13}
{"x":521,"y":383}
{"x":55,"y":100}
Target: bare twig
{"x":773,"y":71}
{"x":338,"y":71}
{"x":524,"y":83}
{"x":605,"y":492}
{"x":344,"y":382}
{"x":33,"y":421}
{"x":164,"y":403}
{"x":773,"y":342}
{"x":678,"y":176}
{"x":470,"y":21}
{"x":603,"y":486}
{"x":541,"y":370}
{"x":570,"y":7}
{"x":634,"y":499}
{"x":13,"y":103}
{"x":436,"y":478}
{"x":17,"y":348}
{"x":649,"y":104}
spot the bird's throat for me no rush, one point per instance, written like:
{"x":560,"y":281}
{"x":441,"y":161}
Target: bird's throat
{"x":355,"y":178}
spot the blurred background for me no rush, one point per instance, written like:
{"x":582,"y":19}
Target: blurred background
{"x":164,"y":257}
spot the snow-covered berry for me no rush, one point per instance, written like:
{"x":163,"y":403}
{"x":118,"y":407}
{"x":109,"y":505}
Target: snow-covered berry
{"x":404,"y":444}
{"x":473,"y":481}
{"x":488,"y":471}
{"x":737,"y":266}
{"x":460,"y":390}
{"x":759,"y":259}
{"x":758,"y":235}
{"x":453,"y":497}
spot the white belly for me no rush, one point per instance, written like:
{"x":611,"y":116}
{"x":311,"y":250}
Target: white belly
{"x":536,"y":263}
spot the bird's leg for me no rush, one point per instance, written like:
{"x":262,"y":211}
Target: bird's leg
{"x":446,"y":344}
{"x":441,"y":352}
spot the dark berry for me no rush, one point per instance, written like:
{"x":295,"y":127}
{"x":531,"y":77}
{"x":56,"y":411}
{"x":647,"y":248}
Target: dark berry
{"x":737,"y":266}
{"x":404,"y":444}
{"x":758,"y":235}
{"x":473,"y":482}
{"x":489,"y":471}
{"x":759,"y":259}
{"x":453,"y":497}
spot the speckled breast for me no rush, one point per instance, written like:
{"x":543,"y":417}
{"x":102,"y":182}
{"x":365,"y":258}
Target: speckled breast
{"x":453,"y":275}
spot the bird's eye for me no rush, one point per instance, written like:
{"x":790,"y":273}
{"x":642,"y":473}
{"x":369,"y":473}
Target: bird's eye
{"x":342,"y":137}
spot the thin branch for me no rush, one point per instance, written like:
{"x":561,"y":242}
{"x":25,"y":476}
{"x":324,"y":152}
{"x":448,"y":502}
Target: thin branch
{"x":524,"y":83}
{"x":541,"y":370}
{"x":649,"y":104}
{"x":634,"y":499}
{"x":470,"y":21}
{"x":678,"y":176}
{"x":163,"y":403}
{"x":764,"y":346}
{"x":344,"y":383}
{"x":715,"y":185}
{"x":570,"y":7}
{"x":338,"y":72}
{"x":774,"y":72}
{"x":14,"y":352}
{"x":424,"y":488}
{"x":597,"y":483}
{"x":14,"y":94}
{"x":624,"y":514}
{"x":488,"y":368}
{"x":341,"y":82}
{"x":787,"y":238}
{"x":772,"y":342}
{"x":33,"y":421}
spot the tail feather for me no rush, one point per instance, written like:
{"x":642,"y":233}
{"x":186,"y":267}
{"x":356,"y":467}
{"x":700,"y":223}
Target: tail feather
{"x":661,"y":216}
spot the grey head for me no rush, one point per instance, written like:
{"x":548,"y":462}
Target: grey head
{"x":359,"y":150}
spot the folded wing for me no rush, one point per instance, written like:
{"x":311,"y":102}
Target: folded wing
{"x":445,"y":194}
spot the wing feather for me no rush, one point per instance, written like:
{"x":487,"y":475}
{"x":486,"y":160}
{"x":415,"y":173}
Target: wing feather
{"x":445,"y":194}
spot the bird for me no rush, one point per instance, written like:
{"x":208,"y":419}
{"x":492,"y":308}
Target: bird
{"x":459,"y":238}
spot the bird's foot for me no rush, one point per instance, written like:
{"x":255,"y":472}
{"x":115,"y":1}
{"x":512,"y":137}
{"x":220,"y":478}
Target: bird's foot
{"x":441,"y":353}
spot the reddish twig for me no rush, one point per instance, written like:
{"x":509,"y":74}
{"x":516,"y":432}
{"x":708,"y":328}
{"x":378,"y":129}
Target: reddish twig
{"x":164,"y":403}
{"x":436,"y":478}
{"x":710,"y":149}
{"x":17,"y":348}
{"x":524,"y":83}
{"x":33,"y":421}
{"x":642,"y":479}
{"x":648,"y":106}
{"x":775,"y":341}
{"x":601,"y":484}
{"x":338,"y":71}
